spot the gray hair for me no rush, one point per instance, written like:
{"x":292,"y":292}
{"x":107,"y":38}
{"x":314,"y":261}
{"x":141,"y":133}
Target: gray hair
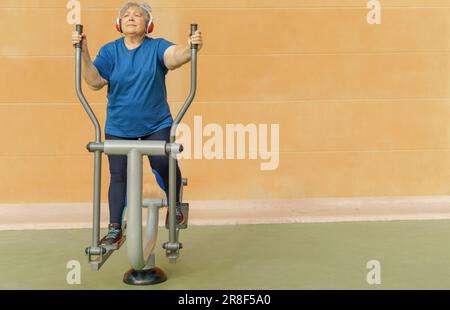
{"x":145,"y":8}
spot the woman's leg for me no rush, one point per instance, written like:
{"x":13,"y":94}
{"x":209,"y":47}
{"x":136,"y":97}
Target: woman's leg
{"x":160,"y":164}
{"x":117,"y":185}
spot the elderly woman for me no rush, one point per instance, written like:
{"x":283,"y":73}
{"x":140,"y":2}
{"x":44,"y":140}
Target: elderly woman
{"x":134,"y":69}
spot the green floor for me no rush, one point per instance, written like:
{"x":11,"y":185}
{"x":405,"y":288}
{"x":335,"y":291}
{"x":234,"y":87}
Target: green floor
{"x":413,"y":255}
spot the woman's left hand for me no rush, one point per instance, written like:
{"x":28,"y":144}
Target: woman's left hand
{"x":196,"y":38}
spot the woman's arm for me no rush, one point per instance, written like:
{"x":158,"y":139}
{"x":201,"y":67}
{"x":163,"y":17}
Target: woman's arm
{"x":177,"y":55}
{"x":90,"y":73}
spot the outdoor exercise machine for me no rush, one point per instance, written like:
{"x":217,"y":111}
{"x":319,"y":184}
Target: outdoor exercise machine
{"x":141,"y":255}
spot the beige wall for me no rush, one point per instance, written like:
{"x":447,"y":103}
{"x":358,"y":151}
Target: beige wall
{"x":363,"y":109}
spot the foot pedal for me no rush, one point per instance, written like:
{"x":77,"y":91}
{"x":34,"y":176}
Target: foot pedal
{"x":111,"y":247}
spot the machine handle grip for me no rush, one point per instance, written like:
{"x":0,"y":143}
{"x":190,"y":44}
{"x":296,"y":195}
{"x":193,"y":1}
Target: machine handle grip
{"x":194,"y":28}
{"x":79,"y":29}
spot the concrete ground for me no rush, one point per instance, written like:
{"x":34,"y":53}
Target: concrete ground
{"x":412,"y":255}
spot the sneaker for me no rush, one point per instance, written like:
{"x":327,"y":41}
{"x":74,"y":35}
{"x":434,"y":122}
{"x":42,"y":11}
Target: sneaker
{"x":114,"y":235}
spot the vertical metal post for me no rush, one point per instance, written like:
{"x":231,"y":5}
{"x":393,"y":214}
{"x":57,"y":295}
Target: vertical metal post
{"x":134,"y":202}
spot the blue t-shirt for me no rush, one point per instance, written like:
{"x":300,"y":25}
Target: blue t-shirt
{"x":137,"y":96}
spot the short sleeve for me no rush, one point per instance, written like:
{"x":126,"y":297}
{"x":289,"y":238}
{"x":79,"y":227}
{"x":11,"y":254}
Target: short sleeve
{"x":104,"y":63}
{"x":162,"y":47}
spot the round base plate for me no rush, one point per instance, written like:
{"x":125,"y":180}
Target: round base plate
{"x":144,"y":277}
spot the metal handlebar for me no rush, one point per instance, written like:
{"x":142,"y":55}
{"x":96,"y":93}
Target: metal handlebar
{"x":98,"y":137}
{"x":172,"y":247}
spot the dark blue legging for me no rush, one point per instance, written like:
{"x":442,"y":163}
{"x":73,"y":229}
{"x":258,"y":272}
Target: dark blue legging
{"x":118,"y":172}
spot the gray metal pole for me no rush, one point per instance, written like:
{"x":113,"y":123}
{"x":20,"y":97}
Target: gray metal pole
{"x":78,"y":47}
{"x":97,"y":154}
{"x":97,"y":199}
{"x":172,"y":199}
{"x":193,"y":90}
{"x":134,"y":205}
{"x":172,"y":159}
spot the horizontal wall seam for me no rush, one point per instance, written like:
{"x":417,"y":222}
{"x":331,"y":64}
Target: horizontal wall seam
{"x":343,"y":100}
{"x":443,"y":52}
{"x":14,"y":156}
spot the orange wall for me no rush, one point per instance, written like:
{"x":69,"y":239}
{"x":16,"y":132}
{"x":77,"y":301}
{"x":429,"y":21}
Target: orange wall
{"x":363,"y":109}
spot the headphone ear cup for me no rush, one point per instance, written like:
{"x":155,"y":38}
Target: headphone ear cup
{"x":150,"y":26}
{"x":119,"y":25}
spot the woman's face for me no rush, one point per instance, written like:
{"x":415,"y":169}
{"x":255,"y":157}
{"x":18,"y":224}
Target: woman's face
{"x":133,"y":21}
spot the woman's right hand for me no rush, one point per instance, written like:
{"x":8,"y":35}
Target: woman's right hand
{"x":76,"y":38}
